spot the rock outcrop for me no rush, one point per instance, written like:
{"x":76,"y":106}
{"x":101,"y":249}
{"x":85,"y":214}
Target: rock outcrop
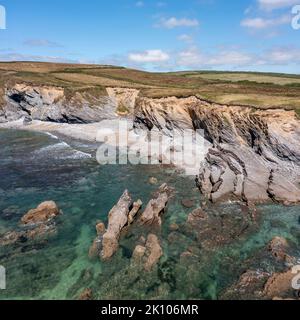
{"x":48,"y":103}
{"x":45,"y":212}
{"x":36,"y":223}
{"x":156,"y":207}
{"x":117,"y":220}
{"x":253,"y":154}
{"x":121,"y":216}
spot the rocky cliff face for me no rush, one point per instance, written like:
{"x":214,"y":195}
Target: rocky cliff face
{"x":254,"y":154}
{"x":51,"y":104}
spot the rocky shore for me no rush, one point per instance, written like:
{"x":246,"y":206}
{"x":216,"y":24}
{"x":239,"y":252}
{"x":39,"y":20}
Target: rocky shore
{"x":252,"y":154}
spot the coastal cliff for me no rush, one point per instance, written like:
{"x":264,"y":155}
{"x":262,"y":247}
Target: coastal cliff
{"x":254,"y":153}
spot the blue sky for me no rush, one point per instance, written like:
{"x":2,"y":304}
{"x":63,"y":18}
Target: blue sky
{"x":156,"y":35}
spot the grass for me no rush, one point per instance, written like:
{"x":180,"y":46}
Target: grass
{"x":262,"y":90}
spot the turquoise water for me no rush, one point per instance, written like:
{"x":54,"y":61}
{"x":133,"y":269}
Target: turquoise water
{"x":38,"y":167}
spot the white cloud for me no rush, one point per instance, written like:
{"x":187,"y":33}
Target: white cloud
{"x":193,"y":57}
{"x":149,"y":56}
{"x":270,"y":5}
{"x":139,"y":4}
{"x":14,"y":56}
{"x":174,"y":22}
{"x":264,"y":23}
{"x":283,"y":55}
{"x":185,"y":38}
{"x":41,"y":43}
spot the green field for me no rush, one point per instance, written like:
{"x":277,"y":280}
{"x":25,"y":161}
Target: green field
{"x":262,"y":90}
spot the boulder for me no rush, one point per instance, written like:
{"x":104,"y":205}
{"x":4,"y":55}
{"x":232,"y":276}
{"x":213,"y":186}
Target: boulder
{"x":45,"y":212}
{"x":278,"y":248}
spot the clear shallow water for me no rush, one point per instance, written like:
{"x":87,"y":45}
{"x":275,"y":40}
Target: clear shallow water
{"x":37,"y":167}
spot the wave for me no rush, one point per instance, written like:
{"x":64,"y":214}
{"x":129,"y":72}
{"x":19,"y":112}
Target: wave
{"x":52,"y":135}
{"x":65,"y":151}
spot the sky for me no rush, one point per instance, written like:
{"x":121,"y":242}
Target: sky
{"x":155,"y":35}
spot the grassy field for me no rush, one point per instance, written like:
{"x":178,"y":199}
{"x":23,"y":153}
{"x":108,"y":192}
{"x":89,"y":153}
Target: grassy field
{"x":262,"y":90}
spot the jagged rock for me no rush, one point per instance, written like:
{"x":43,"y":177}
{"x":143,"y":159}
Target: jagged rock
{"x":45,"y":212}
{"x":87,"y":294}
{"x":156,"y":206}
{"x":188,"y":203}
{"x":135,"y":209}
{"x":117,"y":220}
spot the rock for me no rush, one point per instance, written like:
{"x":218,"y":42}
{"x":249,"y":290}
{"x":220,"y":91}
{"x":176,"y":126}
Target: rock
{"x":100,"y":228}
{"x":156,"y":206}
{"x":153,"y":181}
{"x":117,"y":220}
{"x":135,"y":209}
{"x":138,"y":253}
{"x":35,"y":224}
{"x":197,"y":215}
{"x":174,"y":227}
{"x":188,"y":203}
{"x":280,"y":285}
{"x":153,"y":252}
{"x":10,"y":237}
{"x":87,"y":294}
{"x":95,"y":249}
{"x":249,"y":286}
{"x":278,"y":247}
{"x":45,"y":212}
{"x":149,"y":254}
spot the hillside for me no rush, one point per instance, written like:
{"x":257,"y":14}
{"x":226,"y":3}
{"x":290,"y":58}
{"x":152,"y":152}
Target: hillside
{"x":262,"y":90}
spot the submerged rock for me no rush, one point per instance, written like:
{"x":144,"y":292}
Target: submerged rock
{"x":278,"y":248}
{"x":45,"y":212}
{"x":153,"y":181}
{"x":87,"y":294}
{"x":36,"y":223}
{"x":188,"y":203}
{"x":149,"y":254}
{"x":156,"y":207}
